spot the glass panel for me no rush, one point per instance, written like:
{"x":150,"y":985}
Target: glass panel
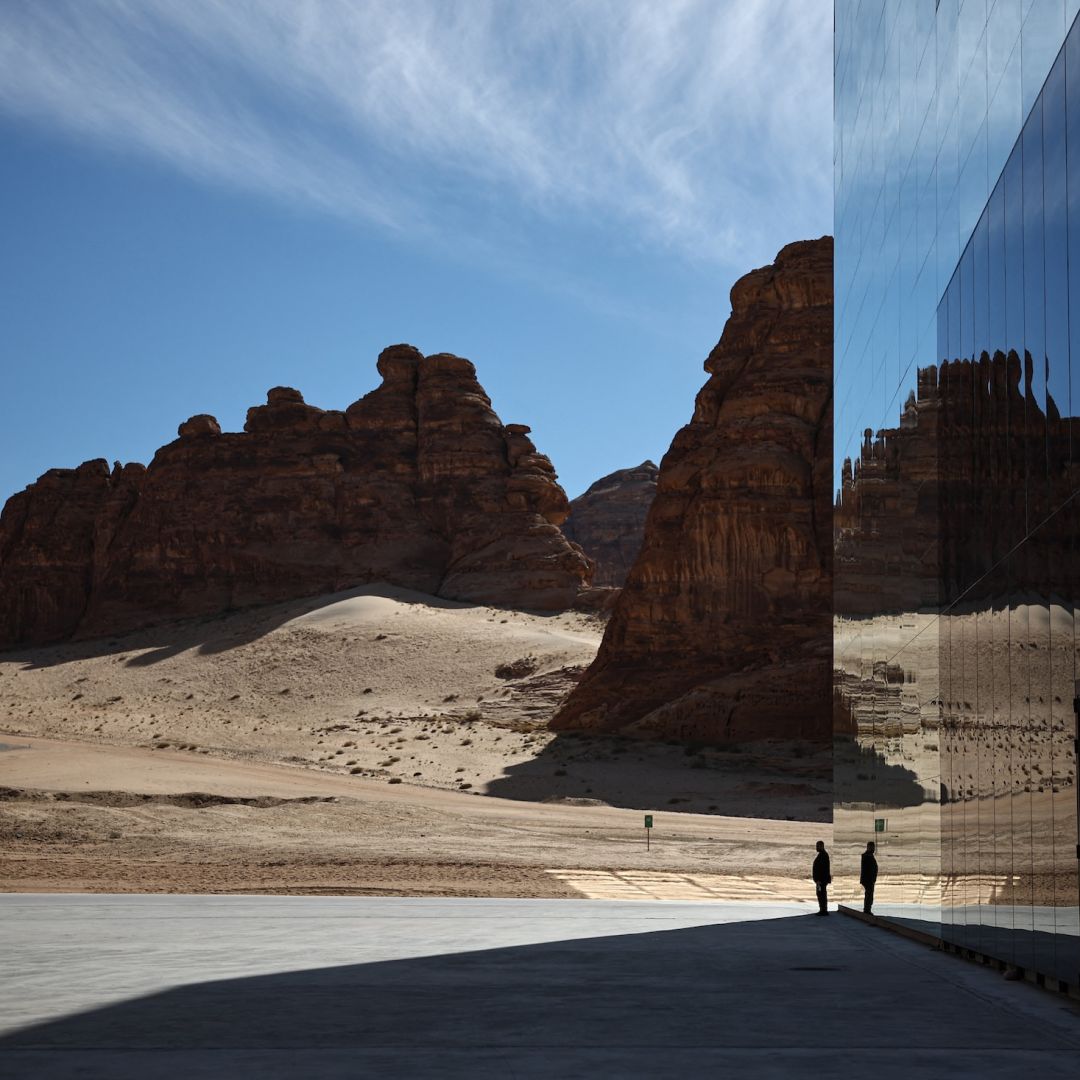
{"x":1005,"y":116}
{"x":1065,"y":764}
{"x":996,"y":271}
{"x":950,"y":787}
{"x":958,"y":378}
{"x":1072,"y":148}
{"x":1003,"y":754}
{"x":1021,"y":893}
{"x":1041,"y":37}
{"x":1034,"y":316}
{"x":1060,"y":548}
{"x":1055,"y":231}
{"x":967,"y":305}
{"x":1014,"y":315}
{"x":980,"y":249}
{"x":1002,"y":37}
{"x":952,"y":302}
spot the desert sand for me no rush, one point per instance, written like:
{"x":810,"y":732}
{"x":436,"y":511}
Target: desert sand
{"x":364,"y":742}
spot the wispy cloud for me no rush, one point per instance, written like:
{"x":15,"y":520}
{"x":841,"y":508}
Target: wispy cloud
{"x":702,"y":126}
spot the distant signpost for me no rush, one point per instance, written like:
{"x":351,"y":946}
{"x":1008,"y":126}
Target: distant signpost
{"x":648,"y":829}
{"x":879,"y":824}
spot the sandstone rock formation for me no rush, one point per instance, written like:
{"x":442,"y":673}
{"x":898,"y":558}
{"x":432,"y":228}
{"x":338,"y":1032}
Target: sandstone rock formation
{"x":608,"y":521}
{"x":931,"y":508}
{"x":723,"y":629}
{"x":886,"y":515}
{"x":417,"y":484}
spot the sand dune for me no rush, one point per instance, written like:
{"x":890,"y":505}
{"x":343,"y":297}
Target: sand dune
{"x":293,"y":682}
{"x":391,"y":685}
{"x":398,"y":707}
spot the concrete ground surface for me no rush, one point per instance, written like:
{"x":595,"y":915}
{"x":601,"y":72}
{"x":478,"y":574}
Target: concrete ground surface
{"x":235,"y":986}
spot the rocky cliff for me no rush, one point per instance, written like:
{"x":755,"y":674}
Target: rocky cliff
{"x":931,"y":509}
{"x":885,"y":518}
{"x":608,"y":520}
{"x":723,"y":629}
{"x":417,"y":484}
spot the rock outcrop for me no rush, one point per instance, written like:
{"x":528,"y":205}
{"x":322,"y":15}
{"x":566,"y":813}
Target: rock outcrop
{"x":608,"y":521}
{"x":932,"y":509}
{"x":722,"y":632}
{"x":885,"y":518}
{"x":417,"y":484}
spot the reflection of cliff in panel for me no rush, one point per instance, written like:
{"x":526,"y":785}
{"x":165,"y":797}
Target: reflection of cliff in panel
{"x":885,"y":754}
{"x":968,"y":512}
{"x":957,"y":569}
{"x":1007,"y":650}
{"x":1005,"y":465}
{"x":416,"y":484}
{"x":885,"y":518}
{"x":886,"y":746}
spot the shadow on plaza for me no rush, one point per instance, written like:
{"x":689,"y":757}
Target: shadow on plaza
{"x":702,"y":986}
{"x":760,"y":998}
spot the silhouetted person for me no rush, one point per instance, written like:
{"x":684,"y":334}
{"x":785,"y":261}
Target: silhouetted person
{"x":868,"y":876}
{"x":822,"y":875}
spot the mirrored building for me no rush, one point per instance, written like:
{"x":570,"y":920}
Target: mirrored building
{"x":957,"y":448}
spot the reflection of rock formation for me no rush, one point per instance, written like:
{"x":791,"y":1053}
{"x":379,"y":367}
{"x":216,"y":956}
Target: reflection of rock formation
{"x":934,"y":505}
{"x":722,"y":630}
{"x":885,"y":518}
{"x":1006,"y":463}
{"x":957,"y":573}
{"x":416,"y":484}
{"x":608,"y":521}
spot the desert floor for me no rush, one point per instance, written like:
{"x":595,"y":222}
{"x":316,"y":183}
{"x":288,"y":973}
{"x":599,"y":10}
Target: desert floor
{"x":363,"y":743}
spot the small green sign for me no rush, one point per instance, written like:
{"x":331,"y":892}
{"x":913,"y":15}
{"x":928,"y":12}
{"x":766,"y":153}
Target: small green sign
{"x":648,"y":821}
{"x":879,"y":824}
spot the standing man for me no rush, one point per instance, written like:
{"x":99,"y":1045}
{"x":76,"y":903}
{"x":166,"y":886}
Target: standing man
{"x":868,"y":876}
{"x":822,"y":875}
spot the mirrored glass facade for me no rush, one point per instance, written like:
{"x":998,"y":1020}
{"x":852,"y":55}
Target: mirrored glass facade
{"x":957,"y":446}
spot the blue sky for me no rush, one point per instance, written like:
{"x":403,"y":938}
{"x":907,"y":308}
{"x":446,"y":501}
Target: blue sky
{"x":204,"y":199}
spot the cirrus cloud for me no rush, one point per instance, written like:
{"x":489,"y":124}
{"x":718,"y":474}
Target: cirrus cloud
{"x":701,"y":127}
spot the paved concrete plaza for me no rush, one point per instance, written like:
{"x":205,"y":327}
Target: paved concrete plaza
{"x":203,"y":986}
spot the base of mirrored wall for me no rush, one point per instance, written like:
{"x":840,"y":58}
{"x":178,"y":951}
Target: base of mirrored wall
{"x":990,"y":942}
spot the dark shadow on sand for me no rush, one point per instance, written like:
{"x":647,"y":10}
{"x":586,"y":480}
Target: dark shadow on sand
{"x":864,"y":776}
{"x":586,"y":768}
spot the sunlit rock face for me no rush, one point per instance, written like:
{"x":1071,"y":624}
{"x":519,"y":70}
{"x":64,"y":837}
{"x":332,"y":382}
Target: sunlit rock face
{"x":417,"y":484}
{"x":608,"y":520}
{"x":722,"y":632}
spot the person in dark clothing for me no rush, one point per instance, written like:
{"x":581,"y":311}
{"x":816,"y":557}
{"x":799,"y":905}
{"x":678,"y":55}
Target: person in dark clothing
{"x":868,"y":876}
{"x":822,"y":875}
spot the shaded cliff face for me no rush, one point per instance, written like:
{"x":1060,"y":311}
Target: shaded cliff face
{"x":416,"y":484}
{"x":723,"y":629}
{"x":608,"y":521}
{"x":886,"y":514}
{"x":931,"y":508}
